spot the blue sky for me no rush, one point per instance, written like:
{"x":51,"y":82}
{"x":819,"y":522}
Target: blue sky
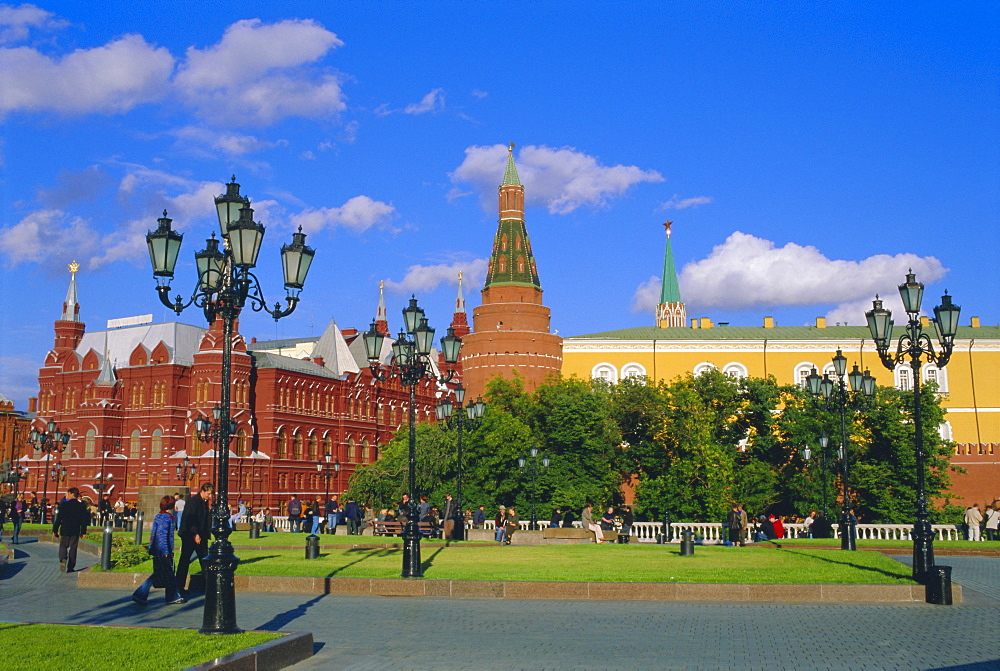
{"x":807,"y":155}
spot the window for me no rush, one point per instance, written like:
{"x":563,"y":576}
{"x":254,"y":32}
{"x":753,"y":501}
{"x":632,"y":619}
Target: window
{"x":703,"y":368}
{"x":156,"y":445}
{"x":802,"y":371}
{"x":195,"y":442}
{"x":314,"y":447}
{"x":89,"y":443}
{"x":134,"y":445}
{"x":350,"y":450}
{"x":944,"y":430}
{"x":297,"y":445}
{"x":281,"y":445}
{"x":735,"y":370}
{"x":903,"y":380}
{"x":606,"y":372}
{"x":633,"y":370}
{"x":241,"y":443}
{"x":932,"y":373}
{"x":365,"y":451}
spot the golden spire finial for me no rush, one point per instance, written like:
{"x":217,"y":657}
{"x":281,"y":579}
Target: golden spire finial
{"x":666,"y":226}
{"x":74,"y":268}
{"x":459,"y":275}
{"x":381,"y":285}
{"x":510,"y":149}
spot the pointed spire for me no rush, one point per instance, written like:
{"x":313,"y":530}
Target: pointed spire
{"x":381,"y":316}
{"x":671,"y":310}
{"x":71,"y":309}
{"x":460,"y":300}
{"x":460,"y":320}
{"x":512,"y":261}
{"x":107,"y":377}
{"x":510,"y":174}
{"x":332,"y":349}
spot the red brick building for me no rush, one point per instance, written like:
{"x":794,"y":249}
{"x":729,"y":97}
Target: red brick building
{"x":130,"y":396}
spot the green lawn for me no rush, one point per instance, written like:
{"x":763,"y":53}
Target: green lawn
{"x":890,"y":543}
{"x":611,"y":563}
{"x":29,"y":647}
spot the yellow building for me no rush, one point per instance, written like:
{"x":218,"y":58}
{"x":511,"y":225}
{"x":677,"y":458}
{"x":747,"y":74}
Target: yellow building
{"x":969,"y":384}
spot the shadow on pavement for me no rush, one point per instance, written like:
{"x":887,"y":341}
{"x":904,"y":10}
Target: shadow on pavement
{"x":978,"y":666}
{"x":281,"y":620}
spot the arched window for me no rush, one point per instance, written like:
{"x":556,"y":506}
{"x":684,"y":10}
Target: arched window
{"x":281,"y":447}
{"x":350,"y":450}
{"x":195,"y":442}
{"x":802,"y":371}
{"x":735,"y":370}
{"x":297,"y":445}
{"x":134,"y":445}
{"x":633,"y":370}
{"x":703,"y":368}
{"x":314,"y":447}
{"x":156,"y":445}
{"x":604,"y":371}
{"x":932,"y":373}
{"x":944,"y":430}
{"x":90,"y":443}
{"x":904,"y":382}
{"x":241,"y":443}
{"x":365,"y":453}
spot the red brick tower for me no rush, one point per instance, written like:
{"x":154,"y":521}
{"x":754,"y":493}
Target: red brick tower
{"x":511,"y":327}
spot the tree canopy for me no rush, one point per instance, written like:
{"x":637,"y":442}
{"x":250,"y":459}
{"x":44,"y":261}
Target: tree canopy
{"x":691,"y":447}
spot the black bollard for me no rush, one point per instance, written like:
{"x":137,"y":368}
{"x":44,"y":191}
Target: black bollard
{"x":938,"y":585}
{"x":138,"y":527}
{"x":254,"y":529}
{"x":312,"y":546}
{"x":106,"y":547}
{"x":687,"y":543}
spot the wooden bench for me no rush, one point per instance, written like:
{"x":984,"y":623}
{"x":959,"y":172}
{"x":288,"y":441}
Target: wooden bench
{"x":396,"y":529}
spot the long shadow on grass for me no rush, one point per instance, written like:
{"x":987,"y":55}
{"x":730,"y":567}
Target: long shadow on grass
{"x":888,"y":574}
{"x":257,"y":559}
{"x":366,"y":553}
{"x":424,"y":565}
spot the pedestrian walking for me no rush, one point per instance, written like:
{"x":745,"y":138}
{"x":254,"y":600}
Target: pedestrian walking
{"x":195,"y":532}
{"x":70,"y":523}
{"x":294,"y":512}
{"x":161,"y":547}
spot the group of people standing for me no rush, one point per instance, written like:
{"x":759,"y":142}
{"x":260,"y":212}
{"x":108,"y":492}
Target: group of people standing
{"x":976,"y":520}
{"x":318,"y":517}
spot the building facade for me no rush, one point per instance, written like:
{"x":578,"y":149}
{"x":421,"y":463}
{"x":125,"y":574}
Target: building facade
{"x":130,"y":397}
{"x":969,"y":385}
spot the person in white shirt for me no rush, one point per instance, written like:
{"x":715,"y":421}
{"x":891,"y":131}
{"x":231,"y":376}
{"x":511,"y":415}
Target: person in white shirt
{"x":973,"y":520}
{"x":992,"y":524}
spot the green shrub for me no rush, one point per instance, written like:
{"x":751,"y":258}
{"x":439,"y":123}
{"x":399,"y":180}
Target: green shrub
{"x":124,"y":553}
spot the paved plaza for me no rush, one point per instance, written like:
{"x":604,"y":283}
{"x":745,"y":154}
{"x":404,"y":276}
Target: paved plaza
{"x":428,"y":633}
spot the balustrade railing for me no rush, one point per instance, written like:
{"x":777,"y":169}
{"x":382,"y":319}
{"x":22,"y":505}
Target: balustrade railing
{"x":716,"y":533}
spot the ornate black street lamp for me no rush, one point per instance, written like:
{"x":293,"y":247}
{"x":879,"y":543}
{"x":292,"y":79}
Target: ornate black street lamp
{"x":913,"y":345}
{"x":411,"y":363}
{"x":49,"y":440}
{"x":186,"y":471}
{"x":522,"y":462}
{"x":324,"y":466}
{"x":446,"y":412}
{"x":837,"y":394}
{"x":225,"y":285}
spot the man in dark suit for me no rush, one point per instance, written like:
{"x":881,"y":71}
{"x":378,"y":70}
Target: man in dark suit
{"x":70,"y":523}
{"x":195,"y":531}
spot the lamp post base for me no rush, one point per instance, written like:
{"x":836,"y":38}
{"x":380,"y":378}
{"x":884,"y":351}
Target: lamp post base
{"x":220,"y":590}
{"x":411,"y":549}
{"x":923,"y":549}
{"x":848,"y":533}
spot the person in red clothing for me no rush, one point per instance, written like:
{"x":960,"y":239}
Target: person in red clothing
{"x":779,"y":527}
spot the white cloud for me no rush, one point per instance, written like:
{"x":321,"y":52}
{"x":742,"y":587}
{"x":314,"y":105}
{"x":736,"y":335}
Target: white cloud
{"x":255,"y":73}
{"x":212,"y":142}
{"x":559,"y":179}
{"x":479,"y":94}
{"x":359,"y":213}
{"x":19,"y":378}
{"x":49,"y":236}
{"x":17,"y":22}
{"x":746,"y":272}
{"x":112,"y":78}
{"x":676,"y":203}
{"x":429,"y":278}
{"x":647,"y":295}
{"x":432,"y":102}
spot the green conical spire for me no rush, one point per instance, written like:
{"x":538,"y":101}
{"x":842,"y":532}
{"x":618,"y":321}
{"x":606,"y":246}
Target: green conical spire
{"x":510,"y":174}
{"x":670,"y":291}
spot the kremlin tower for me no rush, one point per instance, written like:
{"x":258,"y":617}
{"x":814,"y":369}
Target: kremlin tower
{"x":510,"y":329}
{"x":671,"y":311}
